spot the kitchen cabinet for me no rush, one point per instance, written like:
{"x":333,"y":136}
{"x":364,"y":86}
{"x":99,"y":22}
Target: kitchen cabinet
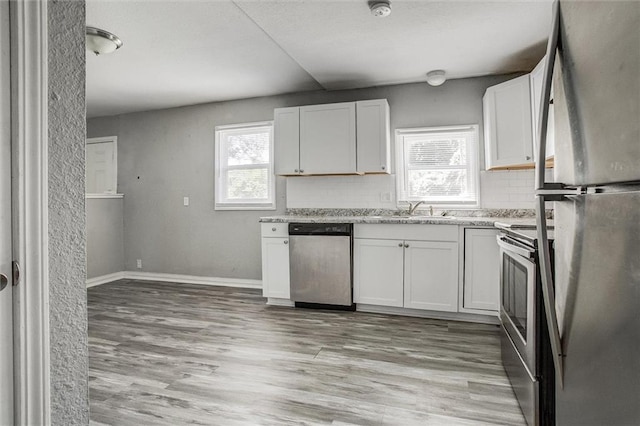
{"x":372,"y":136}
{"x":508,"y":135}
{"x":275,"y":260}
{"x":340,"y":138}
{"x":328,"y":138}
{"x":378,"y":272}
{"x":431,"y":275}
{"x":404,"y":271}
{"x":286,"y":133}
{"x":536,"y":79}
{"x":481,"y":270}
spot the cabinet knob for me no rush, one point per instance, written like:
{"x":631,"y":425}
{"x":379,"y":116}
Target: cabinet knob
{"x":528,"y":157}
{"x":301,"y":171}
{"x":286,"y":241}
{"x":296,"y":170}
{"x":406,"y":245}
{"x":399,"y":244}
{"x":383,"y":167}
{"x":274,"y":229}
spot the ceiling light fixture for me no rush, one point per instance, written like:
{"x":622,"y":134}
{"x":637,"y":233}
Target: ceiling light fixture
{"x":436,"y":77}
{"x":380,"y":9}
{"x":100,"y":41}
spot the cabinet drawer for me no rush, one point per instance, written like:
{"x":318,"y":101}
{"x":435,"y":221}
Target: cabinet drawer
{"x":406,"y":232}
{"x":275,"y":229}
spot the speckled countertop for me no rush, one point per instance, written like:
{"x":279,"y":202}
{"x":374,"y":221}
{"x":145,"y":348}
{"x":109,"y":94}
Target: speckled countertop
{"x":509,"y":218}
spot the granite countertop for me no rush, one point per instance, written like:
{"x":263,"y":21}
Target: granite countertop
{"x":520,"y":223}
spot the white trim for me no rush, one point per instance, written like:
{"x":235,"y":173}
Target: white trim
{"x":174,"y":278}
{"x":276,"y":301}
{"x":104,"y":279}
{"x":101,"y":196}
{"x":451,"y":316}
{"x":29,"y":58}
{"x":114,"y":177}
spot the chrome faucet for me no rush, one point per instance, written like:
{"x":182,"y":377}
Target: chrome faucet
{"x":413,"y":207}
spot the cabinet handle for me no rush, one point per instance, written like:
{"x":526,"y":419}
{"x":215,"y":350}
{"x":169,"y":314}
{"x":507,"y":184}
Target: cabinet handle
{"x":406,"y":245}
{"x":383,"y":167}
{"x":274,"y":229}
{"x":399,"y":244}
{"x":301,"y":171}
{"x":286,"y":241}
{"x":528,"y":157}
{"x":296,"y":170}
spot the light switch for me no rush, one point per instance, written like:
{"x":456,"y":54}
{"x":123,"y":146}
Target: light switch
{"x":185,"y":201}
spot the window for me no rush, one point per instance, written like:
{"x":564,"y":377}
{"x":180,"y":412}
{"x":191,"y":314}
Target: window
{"x":101,"y":165}
{"x":244,"y":167}
{"x":438,"y":165}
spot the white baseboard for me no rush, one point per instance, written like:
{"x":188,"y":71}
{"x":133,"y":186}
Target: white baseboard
{"x":275,"y":301}
{"x":452,"y":316}
{"x":103,"y":279}
{"x":174,"y":278}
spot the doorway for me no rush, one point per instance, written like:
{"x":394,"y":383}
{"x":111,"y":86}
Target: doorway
{"x":6,"y":289}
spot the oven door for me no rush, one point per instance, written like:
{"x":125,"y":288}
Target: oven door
{"x":517,"y":298}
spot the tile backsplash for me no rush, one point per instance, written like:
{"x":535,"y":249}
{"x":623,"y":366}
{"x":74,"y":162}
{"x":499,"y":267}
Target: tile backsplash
{"x":510,"y":189}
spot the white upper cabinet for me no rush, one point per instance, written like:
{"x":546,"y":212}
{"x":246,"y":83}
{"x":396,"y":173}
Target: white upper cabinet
{"x":508,"y":135}
{"x":328,"y":138}
{"x":372,"y":130}
{"x":536,"y":77}
{"x":287,"y":140}
{"x":340,"y":138}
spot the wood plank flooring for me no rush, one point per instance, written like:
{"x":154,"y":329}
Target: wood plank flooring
{"x":164,"y":354}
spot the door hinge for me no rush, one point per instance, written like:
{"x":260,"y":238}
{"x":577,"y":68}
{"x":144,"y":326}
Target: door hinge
{"x":15,"y":269}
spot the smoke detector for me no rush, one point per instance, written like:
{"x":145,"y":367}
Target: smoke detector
{"x":380,"y":9}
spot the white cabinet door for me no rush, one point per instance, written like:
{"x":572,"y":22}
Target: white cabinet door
{"x":328,"y":138}
{"x":431,"y":275}
{"x":373,"y":146}
{"x":536,"y":80}
{"x":378,"y":269}
{"x":507,"y":124}
{"x":275,"y":267}
{"x":481,"y":270}
{"x":286,"y":134}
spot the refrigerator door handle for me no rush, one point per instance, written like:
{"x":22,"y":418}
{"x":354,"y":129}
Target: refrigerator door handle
{"x":548,"y":292}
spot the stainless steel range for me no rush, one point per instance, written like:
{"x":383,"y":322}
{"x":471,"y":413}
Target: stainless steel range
{"x":525,"y":345}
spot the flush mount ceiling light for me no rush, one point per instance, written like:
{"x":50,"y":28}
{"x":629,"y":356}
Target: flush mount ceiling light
{"x":100,"y":41}
{"x":436,"y":77}
{"x":380,"y":9}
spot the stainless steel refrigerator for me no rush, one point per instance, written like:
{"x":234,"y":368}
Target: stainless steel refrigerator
{"x":595,"y":294}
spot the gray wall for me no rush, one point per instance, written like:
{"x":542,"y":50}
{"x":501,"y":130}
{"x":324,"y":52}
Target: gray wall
{"x":67,"y":294}
{"x":168,"y":154}
{"x":105,"y":236}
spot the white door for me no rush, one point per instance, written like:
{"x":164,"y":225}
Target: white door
{"x":275,"y":267}
{"x":328,"y":138}
{"x":101,"y":166}
{"x":377,"y":275}
{"x":6,"y":299}
{"x":431,"y":275}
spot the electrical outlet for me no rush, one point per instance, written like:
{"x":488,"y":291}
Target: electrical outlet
{"x":185,"y":201}
{"x":385,"y":196}
{"x":139,"y":263}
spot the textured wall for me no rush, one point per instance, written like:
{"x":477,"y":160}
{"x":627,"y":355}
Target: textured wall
{"x":105,"y":234}
{"x":67,"y":294}
{"x":166,"y":155}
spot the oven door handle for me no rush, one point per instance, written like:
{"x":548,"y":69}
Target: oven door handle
{"x":503,"y":243}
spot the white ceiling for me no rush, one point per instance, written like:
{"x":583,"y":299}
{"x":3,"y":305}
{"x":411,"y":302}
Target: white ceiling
{"x":186,"y":52}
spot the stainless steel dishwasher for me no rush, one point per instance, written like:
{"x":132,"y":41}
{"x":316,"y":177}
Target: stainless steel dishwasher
{"x":321,"y":264}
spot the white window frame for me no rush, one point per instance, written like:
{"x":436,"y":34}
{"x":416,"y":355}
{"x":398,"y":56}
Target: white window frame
{"x":473,"y":166}
{"x":114,"y":193}
{"x":221,"y":204}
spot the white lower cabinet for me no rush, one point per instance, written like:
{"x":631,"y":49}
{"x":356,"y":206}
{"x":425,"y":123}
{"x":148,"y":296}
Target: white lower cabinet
{"x":275,"y":261}
{"x":406,"y":273}
{"x":481,"y":270}
{"x":431,"y":275}
{"x":378,"y":270}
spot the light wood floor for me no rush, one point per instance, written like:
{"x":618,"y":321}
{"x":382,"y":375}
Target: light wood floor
{"x":184,"y":354}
